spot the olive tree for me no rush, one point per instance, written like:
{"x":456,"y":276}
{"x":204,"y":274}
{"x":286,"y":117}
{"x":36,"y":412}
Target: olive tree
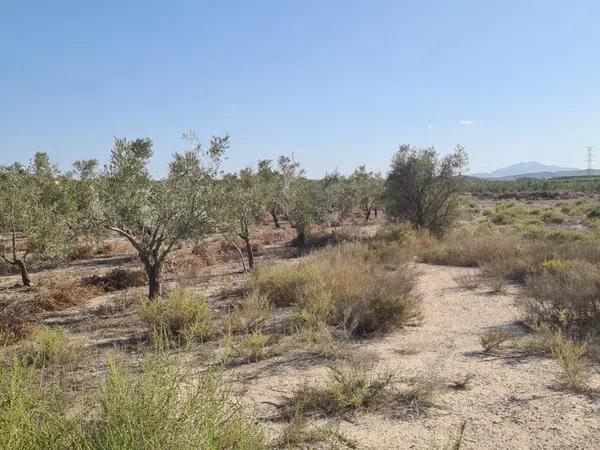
{"x":339,"y":196}
{"x":298,"y":198}
{"x":368,"y":188}
{"x":271,"y":183}
{"x":155,"y":215}
{"x":34,"y":213}
{"x":423,"y":187}
{"x":244,"y":207}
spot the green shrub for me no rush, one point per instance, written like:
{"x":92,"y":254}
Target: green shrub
{"x":162,"y":408}
{"x":594,"y":213}
{"x":32,"y":417}
{"x":180,"y":317}
{"x":553,"y":216}
{"x":396,"y":232}
{"x":253,"y":347}
{"x":568,"y":355}
{"x":51,"y":346}
{"x":157,"y":408}
{"x":281,"y":284}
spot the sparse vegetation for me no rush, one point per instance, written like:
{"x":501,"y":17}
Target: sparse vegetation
{"x":299,"y":307}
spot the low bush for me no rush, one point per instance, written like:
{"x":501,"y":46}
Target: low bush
{"x":14,"y":327}
{"x":343,"y":286}
{"x":281,"y":284}
{"x":253,"y":347}
{"x":120,"y":305}
{"x":594,"y":213}
{"x":317,"y":340}
{"x":346,"y":390}
{"x":419,"y":396}
{"x":32,"y":417}
{"x":492,"y":340}
{"x":568,"y":354}
{"x":564,"y":294}
{"x":116,"y":247}
{"x":180,"y":317}
{"x":468,"y":281}
{"x":250,"y":313}
{"x":474,"y":247}
{"x":162,"y":408}
{"x":552,"y":215}
{"x":59,"y":292}
{"x":396,"y":232}
{"x":117,"y":280}
{"x":51,"y":347}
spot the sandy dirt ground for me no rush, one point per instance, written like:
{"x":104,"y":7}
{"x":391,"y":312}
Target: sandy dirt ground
{"x":514,"y":402}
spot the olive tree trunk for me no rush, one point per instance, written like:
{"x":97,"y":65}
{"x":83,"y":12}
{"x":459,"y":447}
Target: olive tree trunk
{"x":275,"y":219}
{"x":24,"y":274}
{"x":249,"y":252}
{"x":153,"y":269}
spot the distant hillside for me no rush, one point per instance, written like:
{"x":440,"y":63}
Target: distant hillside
{"x":532,"y":169}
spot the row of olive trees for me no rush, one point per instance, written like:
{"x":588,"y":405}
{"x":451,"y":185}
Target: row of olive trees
{"x":44,"y":211}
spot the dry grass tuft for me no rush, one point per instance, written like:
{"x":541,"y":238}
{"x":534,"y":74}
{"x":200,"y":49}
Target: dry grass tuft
{"x":468,"y":281}
{"x":250,"y":313}
{"x":463,"y":382}
{"x":492,"y":340}
{"x":345,"y":391}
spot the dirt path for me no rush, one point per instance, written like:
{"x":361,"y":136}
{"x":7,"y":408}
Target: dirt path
{"x":512,"y":403}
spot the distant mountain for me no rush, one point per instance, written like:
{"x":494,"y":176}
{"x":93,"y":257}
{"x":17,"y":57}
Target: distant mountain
{"x":532,"y":169}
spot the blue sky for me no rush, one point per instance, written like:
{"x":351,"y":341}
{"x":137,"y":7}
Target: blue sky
{"x":339,"y":83}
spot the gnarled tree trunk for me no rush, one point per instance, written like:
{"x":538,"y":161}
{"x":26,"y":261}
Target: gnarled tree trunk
{"x":19,"y":262}
{"x":249,"y":252}
{"x":24,"y":275}
{"x":152,"y":268}
{"x":275,"y":219}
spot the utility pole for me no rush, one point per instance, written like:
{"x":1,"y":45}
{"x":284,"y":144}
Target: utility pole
{"x":589,"y":160}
